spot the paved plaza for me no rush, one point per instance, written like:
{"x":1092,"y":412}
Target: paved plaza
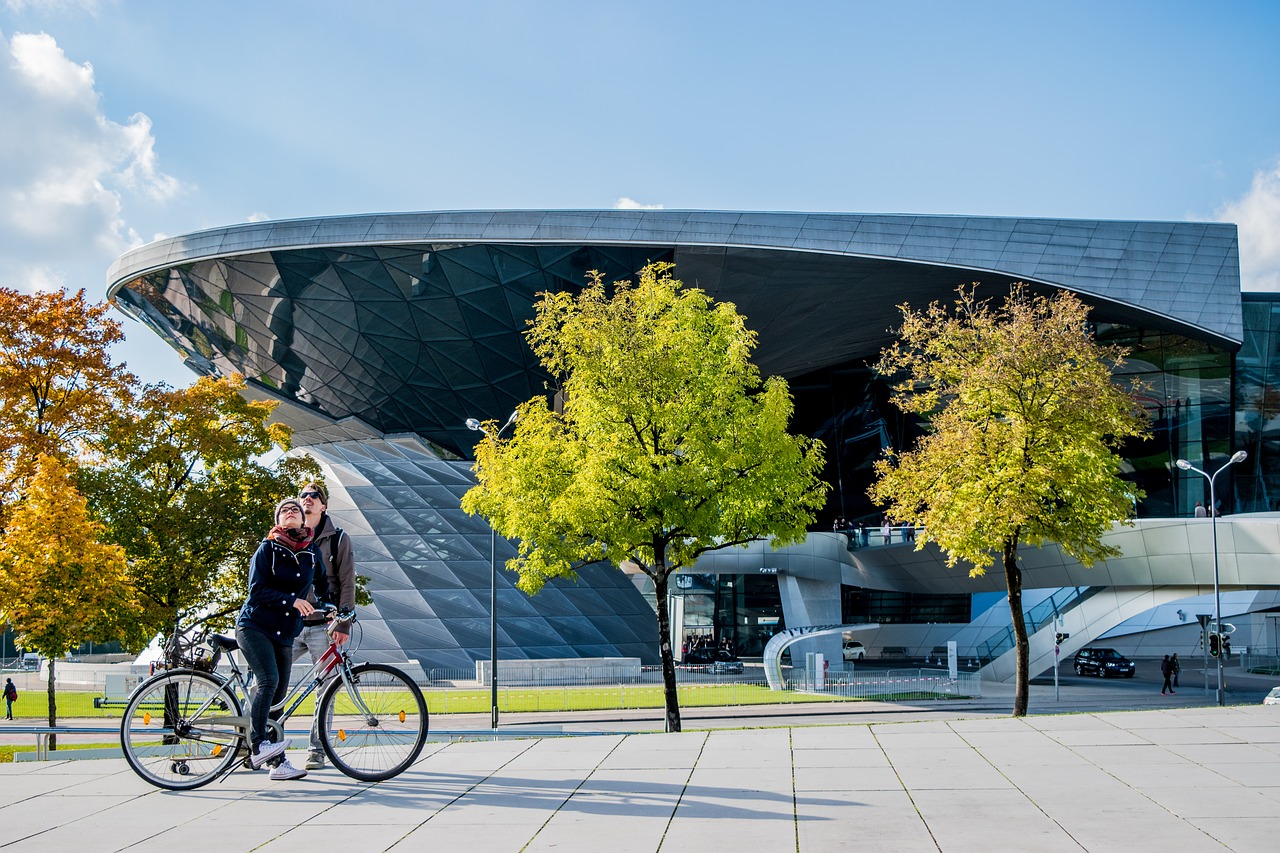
{"x":952,"y":778}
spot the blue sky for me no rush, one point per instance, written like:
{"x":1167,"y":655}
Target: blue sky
{"x":129,"y":120}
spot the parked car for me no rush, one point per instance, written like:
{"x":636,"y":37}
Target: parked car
{"x":1272,"y":698}
{"x":853,"y":650}
{"x":1104,"y":663}
{"x":718,"y":661}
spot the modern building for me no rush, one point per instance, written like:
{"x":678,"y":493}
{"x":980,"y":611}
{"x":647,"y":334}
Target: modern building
{"x":382,"y":334}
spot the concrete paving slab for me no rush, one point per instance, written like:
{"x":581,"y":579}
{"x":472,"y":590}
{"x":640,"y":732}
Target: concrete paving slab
{"x":811,"y":779}
{"x":663,"y":781}
{"x":1190,"y":778}
{"x":949,"y":815}
{"x":865,"y":820}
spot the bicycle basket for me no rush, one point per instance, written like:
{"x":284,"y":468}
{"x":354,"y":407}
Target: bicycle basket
{"x":185,"y":651}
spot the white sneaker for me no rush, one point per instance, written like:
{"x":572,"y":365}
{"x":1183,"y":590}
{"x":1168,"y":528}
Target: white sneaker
{"x":285,"y":771}
{"x":267,"y":751}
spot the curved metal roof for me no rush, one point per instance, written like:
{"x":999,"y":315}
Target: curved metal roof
{"x":414,"y":322}
{"x":1185,"y":272}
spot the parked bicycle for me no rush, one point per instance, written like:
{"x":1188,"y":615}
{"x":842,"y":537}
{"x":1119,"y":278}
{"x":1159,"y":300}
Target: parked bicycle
{"x":187,"y":725}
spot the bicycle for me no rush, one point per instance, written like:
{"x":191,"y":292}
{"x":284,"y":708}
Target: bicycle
{"x":186,"y":726}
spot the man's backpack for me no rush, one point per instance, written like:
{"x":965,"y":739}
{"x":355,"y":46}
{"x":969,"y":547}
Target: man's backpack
{"x":11,"y":692}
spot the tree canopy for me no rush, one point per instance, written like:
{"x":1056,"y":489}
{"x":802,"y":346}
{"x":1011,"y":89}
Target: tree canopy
{"x":60,"y":584}
{"x":185,"y":491}
{"x":1023,"y":422}
{"x":59,"y":388}
{"x":660,"y":442}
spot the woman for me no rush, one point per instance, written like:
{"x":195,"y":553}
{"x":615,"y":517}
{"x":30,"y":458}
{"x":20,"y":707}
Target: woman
{"x":271,"y":617}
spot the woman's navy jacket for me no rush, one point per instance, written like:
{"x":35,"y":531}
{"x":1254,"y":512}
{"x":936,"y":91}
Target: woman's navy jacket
{"x":277,"y":576}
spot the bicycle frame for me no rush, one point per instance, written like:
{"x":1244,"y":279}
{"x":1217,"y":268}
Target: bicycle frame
{"x":320,"y":671}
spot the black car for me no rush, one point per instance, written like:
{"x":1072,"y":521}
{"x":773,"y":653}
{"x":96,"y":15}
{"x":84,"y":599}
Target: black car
{"x":712,"y":660}
{"x":1104,"y":663}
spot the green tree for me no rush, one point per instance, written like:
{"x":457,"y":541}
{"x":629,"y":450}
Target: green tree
{"x":1024,"y":419}
{"x":59,"y":583}
{"x":186,"y":492}
{"x":663,"y":443}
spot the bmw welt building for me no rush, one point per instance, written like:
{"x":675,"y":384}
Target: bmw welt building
{"x":381,"y":335}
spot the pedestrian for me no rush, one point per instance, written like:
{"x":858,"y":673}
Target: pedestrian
{"x":10,"y":696}
{"x":886,"y":530}
{"x":1166,"y":669}
{"x":1201,"y":512}
{"x":335,"y":584}
{"x":280,"y":576}
{"x":1177,"y":668}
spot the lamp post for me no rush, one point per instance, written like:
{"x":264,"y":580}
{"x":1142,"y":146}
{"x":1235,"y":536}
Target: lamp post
{"x":475,"y":426}
{"x":1238,"y":456}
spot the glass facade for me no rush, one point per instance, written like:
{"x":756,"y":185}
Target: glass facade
{"x":744,"y":609}
{"x":1186,"y":389}
{"x":1255,"y":483}
{"x":405,"y":338}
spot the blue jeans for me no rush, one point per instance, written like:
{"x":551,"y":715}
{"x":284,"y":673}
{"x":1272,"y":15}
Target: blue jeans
{"x":270,"y":665}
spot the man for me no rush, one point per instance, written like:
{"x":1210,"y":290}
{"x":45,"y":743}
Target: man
{"x":336,"y":585}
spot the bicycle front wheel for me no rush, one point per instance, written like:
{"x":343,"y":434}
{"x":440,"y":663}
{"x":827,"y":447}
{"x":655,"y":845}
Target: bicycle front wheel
{"x":181,"y":730}
{"x":373,"y":726}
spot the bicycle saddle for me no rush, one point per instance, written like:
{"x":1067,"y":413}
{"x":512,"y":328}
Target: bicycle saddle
{"x":223,"y":642}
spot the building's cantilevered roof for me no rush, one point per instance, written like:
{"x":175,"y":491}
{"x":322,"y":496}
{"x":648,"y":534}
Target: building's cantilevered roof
{"x":415,"y":321}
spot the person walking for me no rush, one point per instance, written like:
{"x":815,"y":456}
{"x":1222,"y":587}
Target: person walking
{"x":10,"y":696}
{"x":1166,"y":669}
{"x":1177,"y":668}
{"x":280,"y":576}
{"x":335,"y":583}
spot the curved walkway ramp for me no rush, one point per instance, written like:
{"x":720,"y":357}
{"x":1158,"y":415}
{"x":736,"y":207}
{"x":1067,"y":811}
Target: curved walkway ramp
{"x":1161,"y":560}
{"x":783,"y":640}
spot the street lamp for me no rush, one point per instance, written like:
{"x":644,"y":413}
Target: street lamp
{"x":1238,"y":456}
{"x":475,"y":426}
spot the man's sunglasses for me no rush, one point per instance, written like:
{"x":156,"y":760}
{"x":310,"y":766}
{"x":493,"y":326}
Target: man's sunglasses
{"x":315,"y":495}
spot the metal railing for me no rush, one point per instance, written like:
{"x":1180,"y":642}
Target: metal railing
{"x":1063,"y":600}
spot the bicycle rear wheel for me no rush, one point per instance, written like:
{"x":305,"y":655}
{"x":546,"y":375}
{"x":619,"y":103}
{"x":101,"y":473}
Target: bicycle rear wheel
{"x":181,"y":730}
{"x":373,"y":728}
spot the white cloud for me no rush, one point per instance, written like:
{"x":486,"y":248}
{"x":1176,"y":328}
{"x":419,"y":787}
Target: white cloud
{"x":258,"y":216}
{"x":625,"y":203}
{"x":1257,"y":214}
{"x":67,"y":171}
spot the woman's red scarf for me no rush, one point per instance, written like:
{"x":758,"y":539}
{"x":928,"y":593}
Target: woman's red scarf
{"x":293,"y":538}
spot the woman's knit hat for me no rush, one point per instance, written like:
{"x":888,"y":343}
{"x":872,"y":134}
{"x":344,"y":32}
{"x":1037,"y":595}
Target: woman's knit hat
{"x":287,"y":502}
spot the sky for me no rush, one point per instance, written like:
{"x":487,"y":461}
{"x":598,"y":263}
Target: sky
{"x":126,"y":121}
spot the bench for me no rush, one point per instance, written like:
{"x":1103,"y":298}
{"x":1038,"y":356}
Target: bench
{"x":893,"y":651}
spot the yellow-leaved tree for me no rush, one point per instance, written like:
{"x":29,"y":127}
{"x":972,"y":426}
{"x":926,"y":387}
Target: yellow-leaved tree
{"x":59,"y":583}
{"x":665,"y":443}
{"x":1024,"y":420}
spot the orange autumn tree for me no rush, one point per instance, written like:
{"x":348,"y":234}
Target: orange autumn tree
{"x":59,"y":389}
{"x":59,"y":583}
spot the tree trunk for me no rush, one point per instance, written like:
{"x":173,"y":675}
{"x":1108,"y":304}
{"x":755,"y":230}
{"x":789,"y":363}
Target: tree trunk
{"x":664,"y":646}
{"x":53,"y":705}
{"x":1022,"y":648}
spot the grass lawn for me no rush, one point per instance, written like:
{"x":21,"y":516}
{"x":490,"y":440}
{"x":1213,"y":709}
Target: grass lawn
{"x":32,"y":707}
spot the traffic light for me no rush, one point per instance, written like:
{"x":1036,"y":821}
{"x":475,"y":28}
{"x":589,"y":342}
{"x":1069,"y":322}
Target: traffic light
{"x":1058,"y":638}
{"x":1215,"y":643}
